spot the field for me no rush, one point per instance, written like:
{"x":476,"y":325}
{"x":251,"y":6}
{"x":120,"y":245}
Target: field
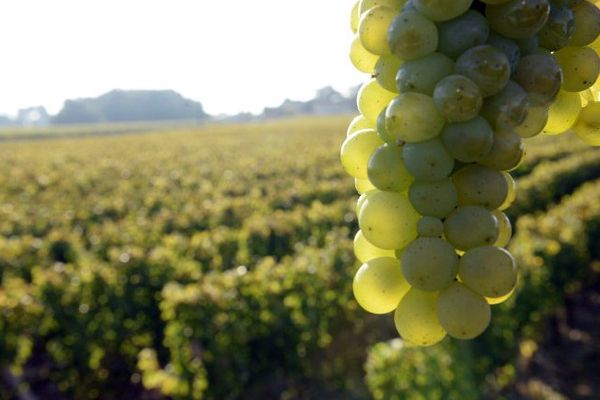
{"x":216,"y":263}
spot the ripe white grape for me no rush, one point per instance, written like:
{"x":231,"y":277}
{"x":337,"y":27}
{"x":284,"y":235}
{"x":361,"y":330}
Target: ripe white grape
{"x":430,"y":227}
{"x":504,"y":229}
{"x":358,"y":124}
{"x":563,"y":112}
{"x":429,"y":263}
{"x":488,"y":270}
{"x":386,"y":70}
{"x":501,"y":299}
{"x":356,"y":151}
{"x":413,"y":117}
{"x":463,"y":313}
{"x":587,"y":127}
{"x":363,"y":185}
{"x":365,"y":251}
{"x":372,"y":99}
{"x":428,"y":161}
{"x":388,"y":220}
{"x":379,"y":285}
{"x":416,"y":318}
{"x":361,"y":58}
{"x":362,"y":199}
{"x":468,"y":141}
{"x":412,"y":36}
{"x":480,"y":186}
{"x":436,"y":199}
{"x":512,"y":191}
{"x":387,"y":170}
{"x":471,"y":226}
{"x":373,"y":27}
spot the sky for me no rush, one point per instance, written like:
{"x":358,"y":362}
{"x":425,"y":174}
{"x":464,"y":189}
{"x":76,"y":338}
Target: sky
{"x":231,"y":55}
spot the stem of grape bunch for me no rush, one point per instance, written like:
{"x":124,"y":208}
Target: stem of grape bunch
{"x":454,"y":90}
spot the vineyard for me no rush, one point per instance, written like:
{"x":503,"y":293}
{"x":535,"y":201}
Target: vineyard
{"x":217,"y":263}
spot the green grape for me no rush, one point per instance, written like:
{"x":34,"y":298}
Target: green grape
{"x":587,"y":23}
{"x":540,"y":76}
{"x":534,"y":122}
{"x":442,"y":10}
{"x":480,"y":186}
{"x":388,"y":220}
{"x":509,"y":47}
{"x":428,"y":161}
{"x":358,"y":124}
{"x":558,"y":30}
{"x":363,"y":185}
{"x":508,"y":108}
{"x":372,"y":99}
{"x":587,"y":127}
{"x":563,"y":113}
{"x":361,"y":58}
{"x":596,"y":44}
{"x":507,"y":151}
{"x":580,"y":67}
{"x":468,"y":141}
{"x":373,"y":28}
{"x":486,"y":66}
{"x":387,"y":170}
{"x":429,"y":264}
{"x":381,"y":129}
{"x":386,"y":70}
{"x":518,"y":18}
{"x":379,"y":286}
{"x":416,"y":318}
{"x":436,"y":199}
{"x":463,"y":313}
{"x":504,"y":229}
{"x":363,"y":198}
{"x":421,"y":75}
{"x":412,"y":36}
{"x":460,"y":34}
{"x":528,"y":45}
{"x":366,"y":5}
{"x":430,"y":227}
{"x":489,"y":271}
{"x":354,"y":17}
{"x":356,"y":151}
{"x":412,"y":117}
{"x":501,"y":299}
{"x":457,"y":98}
{"x":512,"y":192}
{"x":471,"y":226}
{"x":365,"y":251}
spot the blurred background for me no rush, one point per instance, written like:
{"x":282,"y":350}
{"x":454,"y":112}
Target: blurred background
{"x":175,"y":222}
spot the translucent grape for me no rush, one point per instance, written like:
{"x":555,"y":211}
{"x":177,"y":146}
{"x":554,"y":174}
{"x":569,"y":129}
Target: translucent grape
{"x":480,"y":186}
{"x":558,"y":29}
{"x":363,"y":185}
{"x":540,"y":76}
{"x":460,"y":34}
{"x":412,"y":117}
{"x":421,"y":75}
{"x":468,"y":141}
{"x":412,"y":36}
{"x":587,"y":127}
{"x":518,"y":18}
{"x":358,"y":124}
{"x":365,"y":251}
{"x":373,"y":28}
{"x":387,"y":171}
{"x":372,"y":99}
{"x":534,"y":122}
{"x":508,"y":108}
{"x":429,"y":263}
{"x":563,"y":112}
{"x":436,"y":199}
{"x":457,"y":98}
{"x":379,"y":286}
{"x":512,"y":191}
{"x":354,"y":17}
{"x":388,"y":220}
{"x":366,"y":5}
{"x":356,"y":151}
{"x":386,"y":70}
{"x":363,"y":60}
{"x":362,"y":199}
{"x":507,"y":151}
{"x":509,"y":47}
{"x":580,"y":67}
{"x":471,"y":226}
{"x":442,"y":10}
{"x":486,"y":66}
{"x":430,"y":227}
{"x":416,"y":318}
{"x":587,"y":23}
{"x":501,"y":299}
{"x":463,"y":313}
{"x":489,"y":271}
{"x":428,"y":161}
{"x":381,"y":128}
{"x":504,"y":229}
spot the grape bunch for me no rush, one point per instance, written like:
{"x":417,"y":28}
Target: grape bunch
{"x":456,"y":86}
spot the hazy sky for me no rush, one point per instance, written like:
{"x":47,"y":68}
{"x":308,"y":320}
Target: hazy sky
{"x":232,"y":55}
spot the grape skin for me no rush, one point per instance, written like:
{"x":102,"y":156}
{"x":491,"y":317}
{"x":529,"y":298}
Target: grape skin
{"x":379,"y":285}
{"x":471,"y":226}
{"x":463,"y":313}
{"x":489,"y":271}
{"x":429,"y":264}
{"x":416,"y":318}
